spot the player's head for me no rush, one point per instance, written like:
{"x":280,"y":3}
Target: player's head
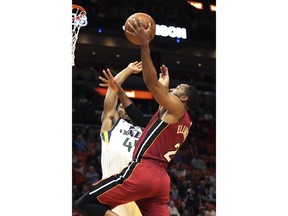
{"x":187,"y":94}
{"x":122,"y":113}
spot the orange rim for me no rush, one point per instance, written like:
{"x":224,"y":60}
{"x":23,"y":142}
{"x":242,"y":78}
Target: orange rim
{"x":79,"y":8}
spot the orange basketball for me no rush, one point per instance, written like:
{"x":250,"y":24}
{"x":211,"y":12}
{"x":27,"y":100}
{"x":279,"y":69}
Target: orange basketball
{"x":146,"y":19}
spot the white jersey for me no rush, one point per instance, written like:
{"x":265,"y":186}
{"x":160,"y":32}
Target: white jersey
{"x":117,"y":147}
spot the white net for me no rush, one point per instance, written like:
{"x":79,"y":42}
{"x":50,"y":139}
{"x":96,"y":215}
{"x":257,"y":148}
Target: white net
{"x":78,"y":20}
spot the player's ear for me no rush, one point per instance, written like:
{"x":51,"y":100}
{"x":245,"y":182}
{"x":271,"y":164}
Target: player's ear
{"x":184,"y":98}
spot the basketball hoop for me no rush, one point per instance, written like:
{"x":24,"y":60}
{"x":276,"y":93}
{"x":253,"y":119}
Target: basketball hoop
{"x":78,"y":13}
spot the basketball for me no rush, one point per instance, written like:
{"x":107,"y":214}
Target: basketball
{"x":146,"y":19}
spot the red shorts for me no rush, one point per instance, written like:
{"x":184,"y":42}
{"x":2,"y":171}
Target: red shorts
{"x":146,"y":183}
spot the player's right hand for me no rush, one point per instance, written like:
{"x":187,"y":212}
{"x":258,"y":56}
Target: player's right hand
{"x":136,"y":67}
{"x":109,"y":81}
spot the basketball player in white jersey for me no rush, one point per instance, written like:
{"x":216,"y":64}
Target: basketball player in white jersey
{"x":118,"y":135}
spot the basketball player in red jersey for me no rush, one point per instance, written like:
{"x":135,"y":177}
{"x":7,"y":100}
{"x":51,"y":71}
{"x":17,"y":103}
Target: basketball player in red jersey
{"x":145,"y":180}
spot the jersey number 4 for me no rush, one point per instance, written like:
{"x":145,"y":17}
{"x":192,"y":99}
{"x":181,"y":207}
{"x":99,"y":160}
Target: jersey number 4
{"x":128,"y":144}
{"x":173,"y":152}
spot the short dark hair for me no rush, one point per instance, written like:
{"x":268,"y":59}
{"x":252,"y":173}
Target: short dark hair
{"x":193,"y":97}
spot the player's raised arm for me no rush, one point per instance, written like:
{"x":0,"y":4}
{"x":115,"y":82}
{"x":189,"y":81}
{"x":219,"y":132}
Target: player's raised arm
{"x":132,"y":111}
{"x":109,"y":115}
{"x":170,"y":102}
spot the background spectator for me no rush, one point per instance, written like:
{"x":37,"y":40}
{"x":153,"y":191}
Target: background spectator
{"x":173,"y":211}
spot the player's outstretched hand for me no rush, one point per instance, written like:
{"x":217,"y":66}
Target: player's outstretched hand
{"x":136,"y":67}
{"x":109,"y":81}
{"x":164,"y":76}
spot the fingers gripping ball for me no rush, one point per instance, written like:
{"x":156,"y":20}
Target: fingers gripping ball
{"x":146,"y":19}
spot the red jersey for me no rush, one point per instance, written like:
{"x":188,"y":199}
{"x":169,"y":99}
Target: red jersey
{"x":140,"y":181}
{"x":160,"y":141}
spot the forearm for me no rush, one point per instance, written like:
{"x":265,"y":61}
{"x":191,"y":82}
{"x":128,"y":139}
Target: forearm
{"x":125,"y":100}
{"x":123,"y":75}
{"x":111,"y":98}
{"x":136,"y":116}
{"x":132,"y":111}
{"x":148,"y":70}
{"x":149,"y":73}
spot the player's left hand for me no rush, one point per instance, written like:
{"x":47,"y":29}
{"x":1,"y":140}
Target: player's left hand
{"x":164,"y":76}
